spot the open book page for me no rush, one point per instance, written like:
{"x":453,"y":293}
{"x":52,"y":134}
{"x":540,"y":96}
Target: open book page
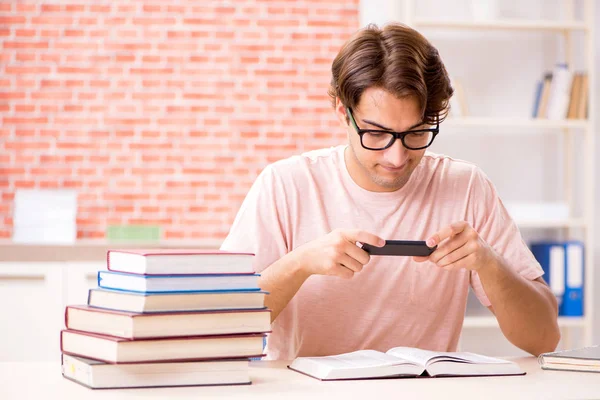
{"x":425,"y":357}
{"x":358,"y":359}
{"x":456,"y":363}
{"x":356,"y":365}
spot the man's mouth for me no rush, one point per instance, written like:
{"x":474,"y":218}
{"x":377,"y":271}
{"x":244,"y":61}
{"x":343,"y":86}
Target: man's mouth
{"x":392,"y":168}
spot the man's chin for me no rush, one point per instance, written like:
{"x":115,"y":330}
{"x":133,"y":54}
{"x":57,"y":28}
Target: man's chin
{"x":389,"y":184}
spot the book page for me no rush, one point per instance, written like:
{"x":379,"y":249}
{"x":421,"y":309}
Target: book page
{"x":413,"y":355}
{"x":425,"y":357}
{"x":357,"y":359}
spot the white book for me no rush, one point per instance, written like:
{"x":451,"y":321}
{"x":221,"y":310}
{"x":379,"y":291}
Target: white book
{"x":115,"y":350}
{"x":98,"y":375}
{"x":581,"y":359}
{"x":179,"y":261}
{"x":184,"y":301}
{"x":560,"y":92}
{"x":125,"y":324}
{"x":402,"y":362}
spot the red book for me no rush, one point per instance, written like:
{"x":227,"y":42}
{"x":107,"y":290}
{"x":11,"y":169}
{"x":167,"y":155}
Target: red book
{"x":179,"y":261}
{"x":116,"y":350}
{"x":131,"y":325}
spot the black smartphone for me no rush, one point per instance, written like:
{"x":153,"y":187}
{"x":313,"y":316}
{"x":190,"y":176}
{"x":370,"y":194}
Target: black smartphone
{"x":400,"y":248}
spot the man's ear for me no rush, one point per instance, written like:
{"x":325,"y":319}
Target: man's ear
{"x":340,"y":112}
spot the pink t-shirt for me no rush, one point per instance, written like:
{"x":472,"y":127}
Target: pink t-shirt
{"x":393,"y":301}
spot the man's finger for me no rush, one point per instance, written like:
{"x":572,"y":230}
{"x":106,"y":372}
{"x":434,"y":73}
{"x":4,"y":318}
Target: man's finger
{"x":358,"y":254}
{"x":446,"y":232}
{"x":454,"y":256}
{"x":344,"y":272}
{"x":450,"y":245}
{"x":350,"y":263}
{"x":354,"y":236}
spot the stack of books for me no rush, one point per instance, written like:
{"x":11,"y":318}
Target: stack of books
{"x":167,"y":318}
{"x":562,"y":94}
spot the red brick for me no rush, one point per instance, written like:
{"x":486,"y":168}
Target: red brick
{"x":100,"y":8}
{"x":24,"y":108}
{"x":15,"y":19}
{"x":27,"y":70}
{"x":153,"y":21}
{"x":53,"y":58}
{"x":52,"y":95}
{"x":24,"y":121}
{"x":48,"y":20}
{"x":75,"y":8}
{"x":88,"y":21}
{"x":25,"y":33}
{"x":12,"y":95}
{"x":150,"y":71}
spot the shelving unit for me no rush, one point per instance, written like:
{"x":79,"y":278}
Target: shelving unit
{"x":491,"y":322}
{"x":542,"y":124}
{"x":569,"y":129}
{"x":522,"y":25}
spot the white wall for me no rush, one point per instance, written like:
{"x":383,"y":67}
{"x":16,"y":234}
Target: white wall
{"x":499,"y":71}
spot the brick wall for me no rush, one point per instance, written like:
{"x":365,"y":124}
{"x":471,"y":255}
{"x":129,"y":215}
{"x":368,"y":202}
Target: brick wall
{"x":162,"y":112}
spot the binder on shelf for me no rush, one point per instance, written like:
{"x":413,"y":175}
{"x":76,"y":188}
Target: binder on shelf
{"x":551,"y":257}
{"x":563,"y":266}
{"x":573,"y":297}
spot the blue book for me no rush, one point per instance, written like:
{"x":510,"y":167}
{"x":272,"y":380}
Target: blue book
{"x":177,"y":283}
{"x":536,"y":99}
{"x":562,"y":263}
{"x":573,"y":298}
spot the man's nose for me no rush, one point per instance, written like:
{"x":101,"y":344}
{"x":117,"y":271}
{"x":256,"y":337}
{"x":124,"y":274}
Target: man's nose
{"x":396,"y":154}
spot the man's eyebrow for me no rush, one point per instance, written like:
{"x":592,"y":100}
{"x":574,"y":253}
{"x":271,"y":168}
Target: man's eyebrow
{"x":366,"y":121}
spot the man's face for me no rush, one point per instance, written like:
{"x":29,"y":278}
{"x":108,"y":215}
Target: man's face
{"x":383,"y":170}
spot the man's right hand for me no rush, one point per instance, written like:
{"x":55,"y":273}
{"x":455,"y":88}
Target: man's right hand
{"x":336,"y":253}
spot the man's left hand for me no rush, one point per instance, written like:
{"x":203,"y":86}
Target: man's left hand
{"x":459,"y":246}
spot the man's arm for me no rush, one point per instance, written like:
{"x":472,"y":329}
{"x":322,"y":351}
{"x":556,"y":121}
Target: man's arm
{"x":526,"y":310}
{"x":335,"y":254}
{"x":282,"y":280}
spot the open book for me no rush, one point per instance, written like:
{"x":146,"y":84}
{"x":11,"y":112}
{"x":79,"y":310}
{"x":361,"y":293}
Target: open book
{"x":402,"y":362}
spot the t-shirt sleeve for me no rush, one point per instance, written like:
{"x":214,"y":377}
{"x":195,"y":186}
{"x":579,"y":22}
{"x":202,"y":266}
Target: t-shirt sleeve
{"x":493,"y":223}
{"x":259,"y":224}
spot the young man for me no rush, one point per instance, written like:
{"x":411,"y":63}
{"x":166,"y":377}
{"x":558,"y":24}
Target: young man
{"x":304,"y":216}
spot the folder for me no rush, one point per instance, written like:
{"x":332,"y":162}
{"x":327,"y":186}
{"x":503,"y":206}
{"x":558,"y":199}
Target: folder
{"x":563,"y":266}
{"x":551,"y":257}
{"x":573,"y":296}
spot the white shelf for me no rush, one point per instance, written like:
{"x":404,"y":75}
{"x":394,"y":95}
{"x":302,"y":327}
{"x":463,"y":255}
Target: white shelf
{"x":515,"y":123}
{"x":553,"y":223}
{"x":507,"y":24}
{"x":575,"y":149}
{"x":492,"y":322}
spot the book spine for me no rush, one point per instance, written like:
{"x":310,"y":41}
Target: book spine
{"x":108,"y":260}
{"x":536,"y":99}
{"x":573,"y":299}
{"x":560,"y":90}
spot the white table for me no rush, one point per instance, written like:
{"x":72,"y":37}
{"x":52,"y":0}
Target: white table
{"x":272,"y":380}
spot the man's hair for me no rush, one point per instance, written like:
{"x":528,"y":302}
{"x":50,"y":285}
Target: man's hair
{"x":397,"y":59}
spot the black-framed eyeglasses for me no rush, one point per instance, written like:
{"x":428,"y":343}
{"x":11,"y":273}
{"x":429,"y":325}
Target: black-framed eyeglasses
{"x":374,"y":139}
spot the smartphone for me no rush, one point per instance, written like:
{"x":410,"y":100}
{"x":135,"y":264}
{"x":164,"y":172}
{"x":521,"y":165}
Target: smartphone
{"x":400,"y":248}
